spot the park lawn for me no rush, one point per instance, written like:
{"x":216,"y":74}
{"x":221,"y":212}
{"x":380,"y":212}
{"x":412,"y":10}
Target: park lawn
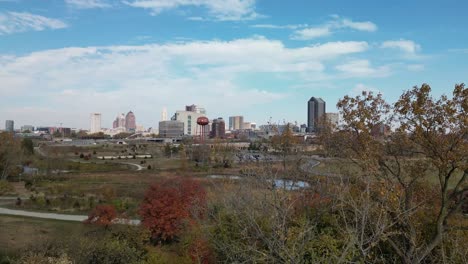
{"x":18,"y":233}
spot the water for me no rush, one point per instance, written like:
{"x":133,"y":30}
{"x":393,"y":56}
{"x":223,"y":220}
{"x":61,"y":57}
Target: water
{"x":230,"y":177}
{"x":288,"y":185}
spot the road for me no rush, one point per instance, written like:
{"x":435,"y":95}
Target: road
{"x":62,"y":217}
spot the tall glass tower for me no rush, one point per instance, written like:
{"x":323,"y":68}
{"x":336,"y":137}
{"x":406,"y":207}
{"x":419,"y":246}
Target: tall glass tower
{"x":315,"y":111}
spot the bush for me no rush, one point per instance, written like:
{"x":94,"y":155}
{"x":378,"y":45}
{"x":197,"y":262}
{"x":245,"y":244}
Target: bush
{"x":102,"y":215}
{"x":6,"y":187}
{"x":167,"y":205}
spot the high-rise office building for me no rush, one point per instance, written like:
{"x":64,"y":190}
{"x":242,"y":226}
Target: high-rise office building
{"x":164,"y":114}
{"x":236,"y":122}
{"x":95,"y":125}
{"x":189,"y":118}
{"x":119,"y":121}
{"x":10,"y":126}
{"x":218,"y":128}
{"x":130,"y":122}
{"x":315,"y":110}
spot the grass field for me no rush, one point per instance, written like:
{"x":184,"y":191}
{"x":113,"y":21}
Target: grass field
{"x":19,"y":233}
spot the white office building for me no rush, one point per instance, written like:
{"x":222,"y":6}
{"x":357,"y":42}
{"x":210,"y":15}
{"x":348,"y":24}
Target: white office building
{"x":164,"y":114}
{"x":189,"y":119}
{"x":95,"y":123}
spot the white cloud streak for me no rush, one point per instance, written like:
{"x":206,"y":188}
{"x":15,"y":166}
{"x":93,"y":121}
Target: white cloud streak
{"x":14,"y":22}
{"x":311,"y":33}
{"x":271,"y":26}
{"x":361,"y":26}
{"x":223,"y":10}
{"x":88,"y":4}
{"x":362,"y":68}
{"x":407,"y":46}
{"x":330,"y":27}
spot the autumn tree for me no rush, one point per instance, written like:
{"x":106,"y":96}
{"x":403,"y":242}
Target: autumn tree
{"x":392,"y":202}
{"x":284,"y":144}
{"x":102,"y":215}
{"x":169,"y":205}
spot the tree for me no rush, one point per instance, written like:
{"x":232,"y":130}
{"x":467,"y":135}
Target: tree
{"x":28,"y":146}
{"x":391,"y":204}
{"x":168,"y":205}
{"x":57,"y":134}
{"x":10,"y":154}
{"x":284,"y":143}
{"x":102,"y":215}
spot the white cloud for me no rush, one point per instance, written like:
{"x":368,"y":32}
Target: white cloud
{"x":88,"y":4}
{"x":223,"y":10}
{"x":407,"y":46}
{"x":112,"y":79}
{"x":196,"y":18}
{"x":13,"y":22}
{"x":416,"y":67}
{"x":361,"y":26}
{"x":271,"y":26}
{"x":362,"y":68}
{"x":311,"y":33}
{"x":330,"y":27}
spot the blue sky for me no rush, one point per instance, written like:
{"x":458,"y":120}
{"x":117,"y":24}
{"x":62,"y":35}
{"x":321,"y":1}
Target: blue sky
{"x":63,"y":59}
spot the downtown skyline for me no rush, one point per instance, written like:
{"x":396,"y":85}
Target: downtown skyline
{"x":62,"y":60}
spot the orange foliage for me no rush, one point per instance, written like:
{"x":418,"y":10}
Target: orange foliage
{"x":102,"y":215}
{"x":200,"y":252}
{"x":167,"y":205}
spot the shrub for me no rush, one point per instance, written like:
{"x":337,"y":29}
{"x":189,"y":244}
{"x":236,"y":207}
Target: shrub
{"x":6,"y":187}
{"x":102,"y":215}
{"x":167,"y":205}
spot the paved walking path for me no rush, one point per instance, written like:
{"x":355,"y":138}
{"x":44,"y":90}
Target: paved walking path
{"x":63,"y":217}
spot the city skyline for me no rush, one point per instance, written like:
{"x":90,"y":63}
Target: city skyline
{"x":258,"y":59}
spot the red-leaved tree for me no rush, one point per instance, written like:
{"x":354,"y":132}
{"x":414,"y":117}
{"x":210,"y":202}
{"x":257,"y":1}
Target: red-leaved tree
{"x":168,"y":205}
{"x":102,"y":215}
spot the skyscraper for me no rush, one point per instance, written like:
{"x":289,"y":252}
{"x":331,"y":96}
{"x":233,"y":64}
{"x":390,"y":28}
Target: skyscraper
{"x":95,"y":125}
{"x":218,"y":128}
{"x":130,"y":122}
{"x":10,"y":126}
{"x":164,"y":114}
{"x":119,"y":121}
{"x":236,"y":122}
{"x":315,"y":110}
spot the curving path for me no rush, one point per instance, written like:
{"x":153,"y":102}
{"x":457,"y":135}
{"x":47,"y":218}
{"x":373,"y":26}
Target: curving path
{"x":63,"y":217}
{"x":138,"y":166}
